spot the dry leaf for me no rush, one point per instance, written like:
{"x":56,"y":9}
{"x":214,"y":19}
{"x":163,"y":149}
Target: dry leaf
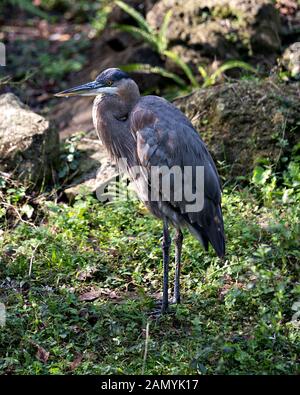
{"x":42,"y":355}
{"x":90,"y":296}
{"x":111,"y":294}
{"x":96,"y":293}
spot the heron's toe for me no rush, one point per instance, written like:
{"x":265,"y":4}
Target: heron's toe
{"x":156,"y":314}
{"x":160,"y":309}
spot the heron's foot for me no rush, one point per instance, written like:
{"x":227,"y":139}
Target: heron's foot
{"x":157,"y":313}
{"x":172,"y":301}
{"x":160,"y":309}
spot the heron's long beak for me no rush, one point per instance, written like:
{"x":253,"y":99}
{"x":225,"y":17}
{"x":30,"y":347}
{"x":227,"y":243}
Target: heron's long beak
{"x":90,"y":89}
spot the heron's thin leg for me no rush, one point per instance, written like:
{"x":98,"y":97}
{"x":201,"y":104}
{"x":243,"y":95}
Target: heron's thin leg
{"x":166,"y":248}
{"x":178,"y":248}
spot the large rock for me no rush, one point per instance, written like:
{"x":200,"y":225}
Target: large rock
{"x":245,"y":121}
{"x":224,"y":29}
{"x":94,"y":170}
{"x":28,"y":146}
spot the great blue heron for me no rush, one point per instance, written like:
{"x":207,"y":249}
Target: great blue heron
{"x":149,"y":131}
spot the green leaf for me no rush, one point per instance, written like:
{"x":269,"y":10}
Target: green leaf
{"x":70,"y":157}
{"x":230,"y":64}
{"x":203,"y":72}
{"x":260,"y":175}
{"x":135,"y":15}
{"x":135,"y":31}
{"x":2,"y":212}
{"x":148,"y":69}
{"x":186,"y":69}
{"x":163,"y":31}
{"x":2,"y":182}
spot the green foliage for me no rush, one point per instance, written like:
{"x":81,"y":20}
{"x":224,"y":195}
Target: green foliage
{"x":69,"y":157}
{"x":27,"y":5}
{"x":239,"y":316}
{"x":230,"y":64}
{"x":100,"y":20}
{"x":266,"y":180}
{"x":81,"y":11}
{"x":148,"y":69}
{"x":37,"y":59}
{"x":69,"y":59}
{"x":57,"y":68}
{"x":144,"y":26}
{"x":159,"y":42}
{"x":187,"y":70}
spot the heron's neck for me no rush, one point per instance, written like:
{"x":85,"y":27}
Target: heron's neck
{"x":111,"y":116}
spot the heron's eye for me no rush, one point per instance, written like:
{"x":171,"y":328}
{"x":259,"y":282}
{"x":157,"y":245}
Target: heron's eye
{"x":109,"y":82}
{"x":123,"y":118}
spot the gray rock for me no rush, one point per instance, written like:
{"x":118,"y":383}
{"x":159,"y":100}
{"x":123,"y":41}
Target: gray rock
{"x":28,"y":146}
{"x":291,"y":60}
{"x":219,"y":28}
{"x":245,"y":121}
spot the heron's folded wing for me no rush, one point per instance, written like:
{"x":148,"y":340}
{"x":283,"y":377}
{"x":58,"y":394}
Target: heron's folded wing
{"x":165,"y":137}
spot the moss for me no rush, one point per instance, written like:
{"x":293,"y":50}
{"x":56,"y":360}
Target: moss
{"x":243,"y":117}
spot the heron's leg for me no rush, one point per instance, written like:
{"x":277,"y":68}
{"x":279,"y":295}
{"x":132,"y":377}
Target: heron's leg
{"x":178,"y":248}
{"x":166,"y":249}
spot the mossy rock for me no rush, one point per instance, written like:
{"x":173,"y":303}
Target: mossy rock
{"x":221,"y":29}
{"x":29,"y":147}
{"x":246,"y":121}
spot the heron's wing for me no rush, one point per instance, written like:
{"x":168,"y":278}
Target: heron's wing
{"x":165,"y":137}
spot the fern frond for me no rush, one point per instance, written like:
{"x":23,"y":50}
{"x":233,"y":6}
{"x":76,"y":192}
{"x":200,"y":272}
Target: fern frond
{"x":137,"y":32}
{"x":203,"y":72}
{"x":187,"y":70}
{"x":230,"y":64}
{"x":163,"y":31}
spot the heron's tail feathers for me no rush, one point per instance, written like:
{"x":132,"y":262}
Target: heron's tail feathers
{"x":216,"y":238}
{"x":213,"y":233}
{"x":198,"y":234}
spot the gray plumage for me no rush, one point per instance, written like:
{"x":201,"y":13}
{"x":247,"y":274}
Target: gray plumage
{"x":150,"y":131}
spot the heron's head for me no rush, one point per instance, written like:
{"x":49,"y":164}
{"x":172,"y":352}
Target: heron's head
{"x":110,"y":82}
